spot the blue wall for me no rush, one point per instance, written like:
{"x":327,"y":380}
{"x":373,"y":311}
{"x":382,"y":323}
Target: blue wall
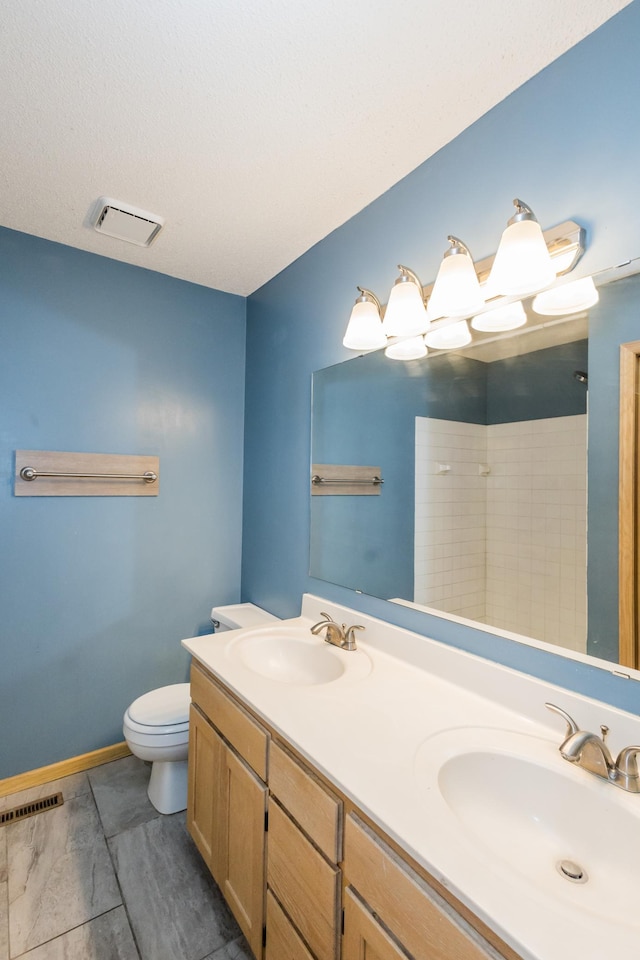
{"x":538,"y":385}
{"x":96,"y":593}
{"x":566,"y":143}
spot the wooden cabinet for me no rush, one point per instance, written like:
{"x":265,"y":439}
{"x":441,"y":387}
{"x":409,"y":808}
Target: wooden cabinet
{"x":305,"y":884}
{"x":419,"y":919}
{"x":282,"y":941}
{"x":312,"y":805}
{"x":364,"y":938}
{"x":303,"y":850}
{"x":248,"y":737}
{"x":284,"y":883}
{"x":227,"y":803}
{"x":204,"y":757}
{"x":238,"y":862}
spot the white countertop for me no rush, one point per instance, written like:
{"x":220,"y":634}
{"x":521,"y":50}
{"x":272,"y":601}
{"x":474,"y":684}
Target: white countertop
{"x":369,"y":735}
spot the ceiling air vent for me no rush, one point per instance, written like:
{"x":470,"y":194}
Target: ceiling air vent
{"x":127,"y":223}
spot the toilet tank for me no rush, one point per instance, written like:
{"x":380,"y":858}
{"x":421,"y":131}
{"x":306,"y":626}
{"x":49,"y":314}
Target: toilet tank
{"x":235,"y":616}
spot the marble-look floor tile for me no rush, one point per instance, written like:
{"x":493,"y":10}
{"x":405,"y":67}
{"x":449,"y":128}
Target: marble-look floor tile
{"x":72,"y":786}
{"x":107,"y":937}
{"x":120,"y":791}
{"x":236,"y":950}
{"x":60,"y":873}
{"x":4,"y":922}
{"x":175,"y":909}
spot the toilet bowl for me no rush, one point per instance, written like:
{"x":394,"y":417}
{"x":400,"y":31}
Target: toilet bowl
{"x":156,"y":728}
{"x":156,"y":725}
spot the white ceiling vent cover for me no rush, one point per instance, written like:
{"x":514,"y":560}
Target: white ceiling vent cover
{"x":125,"y":222}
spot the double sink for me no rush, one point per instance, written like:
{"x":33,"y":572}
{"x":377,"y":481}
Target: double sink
{"x":502,"y":803}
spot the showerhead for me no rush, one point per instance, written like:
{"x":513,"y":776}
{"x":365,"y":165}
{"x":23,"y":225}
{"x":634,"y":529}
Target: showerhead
{"x":581,"y":376}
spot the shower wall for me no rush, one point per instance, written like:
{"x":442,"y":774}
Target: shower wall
{"x":501,"y":524}
{"x":450,"y":568}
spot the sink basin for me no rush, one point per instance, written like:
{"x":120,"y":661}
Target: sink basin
{"x":536,"y":819}
{"x":293,"y":655}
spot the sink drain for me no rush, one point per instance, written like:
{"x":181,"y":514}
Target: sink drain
{"x":572,"y":871}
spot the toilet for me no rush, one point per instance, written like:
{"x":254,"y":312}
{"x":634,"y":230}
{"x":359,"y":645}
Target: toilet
{"x":156,"y":725}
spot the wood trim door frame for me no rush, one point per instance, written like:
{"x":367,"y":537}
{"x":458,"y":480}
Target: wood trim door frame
{"x":628,"y":512}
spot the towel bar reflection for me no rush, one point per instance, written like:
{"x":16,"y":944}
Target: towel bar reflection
{"x":30,"y":473}
{"x":373,"y":481}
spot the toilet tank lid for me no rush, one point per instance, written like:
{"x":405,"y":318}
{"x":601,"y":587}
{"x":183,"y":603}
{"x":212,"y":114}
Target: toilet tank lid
{"x":161,"y":707}
{"x":238,"y":615}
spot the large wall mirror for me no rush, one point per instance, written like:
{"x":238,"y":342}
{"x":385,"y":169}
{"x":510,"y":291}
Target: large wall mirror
{"x":500,"y":466}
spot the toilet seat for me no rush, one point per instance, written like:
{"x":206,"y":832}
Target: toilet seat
{"x":166,"y":707}
{"x":159,"y":718}
{"x":157,"y":730}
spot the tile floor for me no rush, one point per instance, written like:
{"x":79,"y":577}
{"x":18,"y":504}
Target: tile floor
{"x":106,"y":877}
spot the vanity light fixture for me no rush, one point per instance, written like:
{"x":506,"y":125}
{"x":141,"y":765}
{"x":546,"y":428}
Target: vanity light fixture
{"x":523,"y":264}
{"x":413,"y":348}
{"x":570,"y":298}
{"x":449,"y":336}
{"x":405,"y":315}
{"x":528,"y":260}
{"x":456,"y":292}
{"x":364,"y":331}
{"x":507,"y":317}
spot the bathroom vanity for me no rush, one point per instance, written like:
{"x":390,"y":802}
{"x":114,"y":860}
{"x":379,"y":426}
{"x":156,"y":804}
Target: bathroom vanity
{"x":276,"y":827}
{"x":341,"y":803}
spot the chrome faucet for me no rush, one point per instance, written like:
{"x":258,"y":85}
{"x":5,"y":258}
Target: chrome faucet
{"x":340,"y":636}
{"x":590,"y":751}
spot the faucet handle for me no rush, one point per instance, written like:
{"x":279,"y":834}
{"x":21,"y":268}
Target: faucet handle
{"x":627,"y":762}
{"x":349,"y":639}
{"x":572,"y":726}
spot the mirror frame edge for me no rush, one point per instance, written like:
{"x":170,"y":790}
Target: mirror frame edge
{"x":629,"y":455}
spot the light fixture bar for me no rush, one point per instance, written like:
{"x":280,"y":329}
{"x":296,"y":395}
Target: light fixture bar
{"x":565,"y":243}
{"x":567,"y":237}
{"x":566,"y":240}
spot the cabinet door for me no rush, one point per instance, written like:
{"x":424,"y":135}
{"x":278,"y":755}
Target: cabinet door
{"x":238,"y":850}
{"x":364,"y":938}
{"x":283,"y":942}
{"x":205,"y":766}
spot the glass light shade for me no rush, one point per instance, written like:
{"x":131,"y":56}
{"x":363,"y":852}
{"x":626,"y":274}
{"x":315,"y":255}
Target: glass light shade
{"x":449,"y":337}
{"x":405,"y":315}
{"x":413,"y":348}
{"x":509,"y":317}
{"x":456,"y":292}
{"x":364,"y":331}
{"x":570,"y":298}
{"x":522,"y":264}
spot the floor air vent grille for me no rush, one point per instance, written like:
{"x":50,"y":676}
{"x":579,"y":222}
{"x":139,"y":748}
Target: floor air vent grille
{"x":30,"y":809}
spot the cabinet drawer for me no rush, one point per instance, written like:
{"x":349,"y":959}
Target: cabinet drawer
{"x":283,"y":943}
{"x":305,"y":884}
{"x":309,"y":802}
{"x":422,"y":921}
{"x":364,"y":938}
{"x":234,"y":723}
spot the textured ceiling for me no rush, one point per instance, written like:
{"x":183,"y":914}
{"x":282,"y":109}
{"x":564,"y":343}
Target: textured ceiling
{"x":254,"y":127}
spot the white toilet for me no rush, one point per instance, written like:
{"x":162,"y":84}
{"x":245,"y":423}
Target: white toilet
{"x":156,"y":725}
